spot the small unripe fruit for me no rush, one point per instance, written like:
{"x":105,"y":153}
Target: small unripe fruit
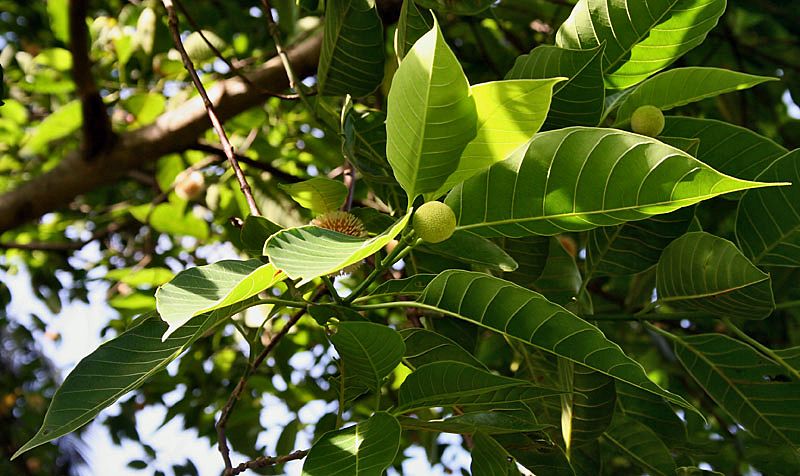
{"x":647,"y":121}
{"x":188,"y":186}
{"x":434,"y":222}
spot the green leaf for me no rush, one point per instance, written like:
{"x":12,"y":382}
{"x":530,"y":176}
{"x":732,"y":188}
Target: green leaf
{"x":690,"y":146}
{"x":365,"y":145}
{"x":730,"y":149}
{"x":425,"y":347}
{"x":369,"y":352}
{"x":324,"y":313}
{"x":319,"y":194}
{"x":351,"y":58}
{"x":61,"y":123}
{"x":560,"y":279}
{"x":641,"y":37}
{"x":577,"y":101}
{"x":489,"y":458}
{"x":145,"y":107}
{"x":492,"y":423}
{"x":531,"y":254}
{"x":172,"y":218}
{"x":447,"y":383}
{"x":702,"y":272}
{"x":768,"y":224}
{"x":58,"y":13}
{"x":143,"y":277}
{"x":431,"y":116}
{"x":214,"y":286}
{"x":587,"y":409}
{"x":309,"y":252}
{"x":411,"y":286}
{"x":255,"y":232}
{"x":471,"y":248}
{"x":509,"y":114}
{"x":745,"y":384}
{"x":681,"y":86}
{"x":117,"y":367}
{"x":578,"y":178}
{"x":635,"y":246}
{"x":413,"y":23}
{"x":365,"y":449}
{"x":694,"y":471}
{"x":527,"y":316}
{"x":642,"y":445}
{"x":652,"y":411}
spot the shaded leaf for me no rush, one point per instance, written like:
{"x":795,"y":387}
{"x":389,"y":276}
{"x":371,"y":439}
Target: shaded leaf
{"x":577,"y":101}
{"x":560,"y":279}
{"x":425,"y":347}
{"x":652,"y":411}
{"x":642,"y":445}
{"x":413,"y":23}
{"x":527,"y":316}
{"x":471,"y":248}
{"x":702,"y":272}
{"x":489,"y":458}
{"x":531,"y":255}
{"x":255,"y":232}
{"x":365,"y":449}
{"x":587,"y":409}
{"x":411,"y":286}
{"x":578,"y":178}
{"x":351,"y":58}
{"x":491,"y":423}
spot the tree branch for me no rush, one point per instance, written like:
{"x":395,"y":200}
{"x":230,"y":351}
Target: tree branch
{"x":274,"y":171}
{"x":264,"y":461}
{"x":212,"y":114}
{"x":97,"y":133}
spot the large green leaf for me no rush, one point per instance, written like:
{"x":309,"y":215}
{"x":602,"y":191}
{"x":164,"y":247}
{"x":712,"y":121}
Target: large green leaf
{"x":318,"y":194}
{"x":745,"y":384}
{"x":62,"y":122}
{"x":651,"y":410}
{"x":561,"y":279}
{"x":702,"y":272}
{"x":527,"y":316}
{"x":578,"y":178}
{"x":635,"y":246}
{"x":412,"y":24}
{"x":411,"y":286}
{"x":768,"y":224}
{"x":642,"y":445}
{"x":492,"y":423}
{"x":530,"y":253}
{"x":471,"y":248}
{"x":731,"y":149}
{"x":365,"y":449}
{"x":431,"y":115}
{"x":254,"y":234}
{"x":369,"y":352}
{"x":117,"y":367}
{"x":351,"y":58}
{"x":489,"y":458}
{"x":577,"y":101}
{"x":214,"y":286}
{"x":681,"y":86}
{"x":172,"y":218}
{"x":365,"y":145}
{"x":460,"y":7}
{"x":448,"y":383}
{"x":425,"y":347}
{"x":509,"y":113}
{"x":309,"y":252}
{"x":641,"y":37}
{"x":587,"y":409}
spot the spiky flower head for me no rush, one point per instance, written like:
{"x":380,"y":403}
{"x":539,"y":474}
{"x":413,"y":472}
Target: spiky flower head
{"x":342,"y":222}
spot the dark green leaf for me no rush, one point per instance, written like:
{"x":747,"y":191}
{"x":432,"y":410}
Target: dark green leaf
{"x":642,"y":445}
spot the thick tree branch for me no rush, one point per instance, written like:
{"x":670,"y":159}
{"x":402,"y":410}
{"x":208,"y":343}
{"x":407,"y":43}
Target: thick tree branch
{"x":97,"y":133}
{"x":174,"y":131}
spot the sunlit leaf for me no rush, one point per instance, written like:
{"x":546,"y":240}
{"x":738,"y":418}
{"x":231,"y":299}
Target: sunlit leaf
{"x":318,"y":194}
{"x":413,"y":23}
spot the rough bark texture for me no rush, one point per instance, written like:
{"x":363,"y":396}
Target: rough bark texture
{"x":174,"y":131}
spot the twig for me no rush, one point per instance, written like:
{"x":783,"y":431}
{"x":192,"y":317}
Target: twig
{"x":275,"y":172}
{"x":263,"y":461}
{"x":274,"y":31}
{"x":97,"y":133}
{"x":212,"y":115}
{"x":762,"y":348}
{"x":222,"y":441}
{"x":62,"y":245}
{"x":225,"y":60}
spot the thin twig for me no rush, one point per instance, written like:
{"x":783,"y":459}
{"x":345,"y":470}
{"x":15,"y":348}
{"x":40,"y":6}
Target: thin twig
{"x":274,"y":31}
{"x":263,"y":461}
{"x":275,"y":172}
{"x":212,"y":115}
{"x":228,"y":63}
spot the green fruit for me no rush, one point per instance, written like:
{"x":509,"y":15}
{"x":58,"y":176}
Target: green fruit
{"x":434,"y":222}
{"x":647,"y":121}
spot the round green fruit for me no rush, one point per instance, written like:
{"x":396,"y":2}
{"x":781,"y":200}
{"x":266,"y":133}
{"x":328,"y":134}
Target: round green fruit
{"x":647,"y":121}
{"x":434,"y":222}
